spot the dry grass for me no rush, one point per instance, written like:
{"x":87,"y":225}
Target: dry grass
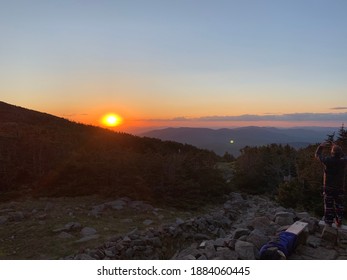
{"x":34,"y":238}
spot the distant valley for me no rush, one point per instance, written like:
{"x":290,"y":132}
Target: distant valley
{"x":233,"y":139}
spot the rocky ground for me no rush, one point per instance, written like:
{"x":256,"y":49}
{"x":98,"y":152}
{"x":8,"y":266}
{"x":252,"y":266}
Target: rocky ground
{"x":258,"y":221}
{"x":235,"y":231}
{"x":126,"y":229}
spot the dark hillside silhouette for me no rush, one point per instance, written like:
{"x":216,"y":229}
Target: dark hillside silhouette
{"x":44,"y":155}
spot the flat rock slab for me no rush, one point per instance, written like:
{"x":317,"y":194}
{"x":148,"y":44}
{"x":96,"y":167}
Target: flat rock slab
{"x":86,"y":231}
{"x":88,"y":238}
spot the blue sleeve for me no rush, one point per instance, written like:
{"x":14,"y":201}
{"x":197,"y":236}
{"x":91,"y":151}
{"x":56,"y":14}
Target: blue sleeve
{"x":286,"y":243}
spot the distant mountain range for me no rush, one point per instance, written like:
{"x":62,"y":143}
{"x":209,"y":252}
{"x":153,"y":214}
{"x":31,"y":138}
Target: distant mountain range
{"x":234,"y":139}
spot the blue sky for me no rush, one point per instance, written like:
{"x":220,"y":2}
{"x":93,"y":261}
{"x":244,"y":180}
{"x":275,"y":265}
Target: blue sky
{"x":164,"y":60}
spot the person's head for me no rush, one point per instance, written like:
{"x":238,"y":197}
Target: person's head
{"x":336,"y":151}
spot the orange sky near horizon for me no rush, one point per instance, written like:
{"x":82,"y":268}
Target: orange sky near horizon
{"x":138,"y":125}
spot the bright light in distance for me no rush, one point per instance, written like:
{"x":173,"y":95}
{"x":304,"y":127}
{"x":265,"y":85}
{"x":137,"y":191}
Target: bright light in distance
{"x":111,"y":120}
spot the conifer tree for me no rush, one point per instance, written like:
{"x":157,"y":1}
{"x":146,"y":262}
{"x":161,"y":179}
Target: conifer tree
{"x":342,"y":137}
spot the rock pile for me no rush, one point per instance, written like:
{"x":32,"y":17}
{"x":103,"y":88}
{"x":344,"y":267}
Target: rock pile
{"x":120,"y":204}
{"x":236,"y":231}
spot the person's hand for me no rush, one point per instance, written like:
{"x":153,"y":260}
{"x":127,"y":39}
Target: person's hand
{"x":326,"y":144}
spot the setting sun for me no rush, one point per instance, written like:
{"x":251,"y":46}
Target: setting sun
{"x":111,"y":120}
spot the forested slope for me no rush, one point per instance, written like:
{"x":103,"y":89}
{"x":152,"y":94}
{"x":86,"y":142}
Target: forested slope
{"x":44,"y":155}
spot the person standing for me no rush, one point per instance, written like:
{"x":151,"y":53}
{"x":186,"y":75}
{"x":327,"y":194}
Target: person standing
{"x":333,"y":182}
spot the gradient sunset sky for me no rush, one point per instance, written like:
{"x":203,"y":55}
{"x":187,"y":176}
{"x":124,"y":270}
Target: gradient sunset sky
{"x":215,"y":63}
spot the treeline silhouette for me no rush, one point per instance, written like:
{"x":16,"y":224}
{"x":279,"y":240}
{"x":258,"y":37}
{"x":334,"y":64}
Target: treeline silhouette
{"x":292,"y":177}
{"x":43,"y":155}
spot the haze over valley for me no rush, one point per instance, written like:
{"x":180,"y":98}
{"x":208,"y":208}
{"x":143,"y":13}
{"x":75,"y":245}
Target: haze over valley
{"x":232,"y":140}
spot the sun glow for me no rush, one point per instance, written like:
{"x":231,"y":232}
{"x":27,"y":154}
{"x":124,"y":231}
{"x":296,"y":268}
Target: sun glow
{"x":111,"y":120}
